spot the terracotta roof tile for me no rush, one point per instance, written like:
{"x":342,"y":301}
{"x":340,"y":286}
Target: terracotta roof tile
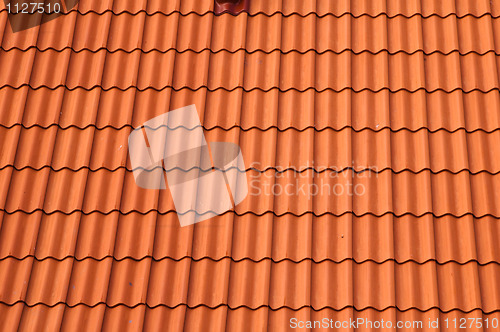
{"x":443,"y":193}
{"x":280,"y":237}
{"x":161,"y":318}
{"x":252,"y":284}
{"x":338,"y":71}
{"x":397,"y":97}
{"x":359,"y":110}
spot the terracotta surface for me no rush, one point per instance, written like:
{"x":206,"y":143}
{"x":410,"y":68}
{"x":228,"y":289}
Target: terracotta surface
{"x":399,"y":97}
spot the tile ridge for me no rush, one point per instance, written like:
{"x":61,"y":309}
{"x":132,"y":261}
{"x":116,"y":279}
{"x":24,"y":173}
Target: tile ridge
{"x":225,"y":305}
{"x":249,"y":259}
{"x":278,"y":170}
{"x":270,"y":14}
{"x":258,"y":50}
{"x":308,"y":212}
{"x":262,"y":129}
{"x":239,"y":87}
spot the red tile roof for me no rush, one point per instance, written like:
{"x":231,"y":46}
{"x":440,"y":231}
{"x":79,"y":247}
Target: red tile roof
{"x":398,"y":97}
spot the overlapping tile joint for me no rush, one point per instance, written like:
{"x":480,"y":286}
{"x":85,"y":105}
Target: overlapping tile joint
{"x":399,"y":97}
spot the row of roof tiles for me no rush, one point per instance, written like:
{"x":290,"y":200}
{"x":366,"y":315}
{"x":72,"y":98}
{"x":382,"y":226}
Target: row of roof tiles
{"x":229,"y":71}
{"x":294,"y":285}
{"x":327,"y":150}
{"x":267,"y":237}
{"x":222,"y":318}
{"x":404,"y":193}
{"x":301,"y":7}
{"x":399,"y":111}
{"x":192,"y":32}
